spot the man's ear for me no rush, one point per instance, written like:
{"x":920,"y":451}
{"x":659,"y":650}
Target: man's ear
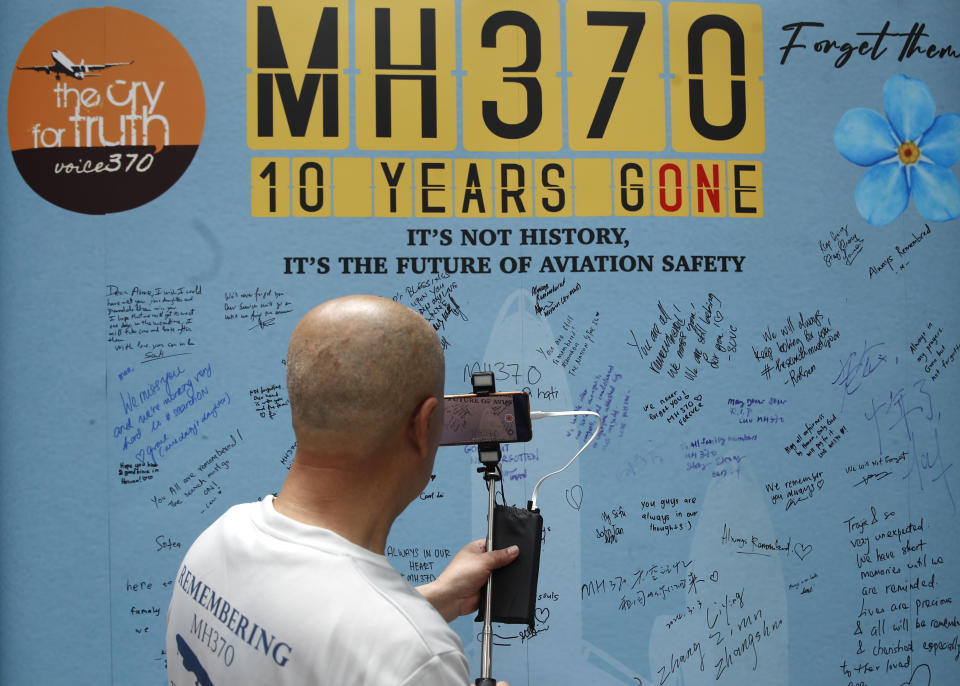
{"x":419,"y":427}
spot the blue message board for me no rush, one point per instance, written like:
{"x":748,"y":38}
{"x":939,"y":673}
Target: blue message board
{"x":727,"y":228}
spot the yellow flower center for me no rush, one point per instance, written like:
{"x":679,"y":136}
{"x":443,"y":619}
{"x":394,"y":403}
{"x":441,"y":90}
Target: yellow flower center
{"x":909,"y":152}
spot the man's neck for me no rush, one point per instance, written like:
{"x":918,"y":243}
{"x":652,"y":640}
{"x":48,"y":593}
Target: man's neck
{"x":358,"y":508}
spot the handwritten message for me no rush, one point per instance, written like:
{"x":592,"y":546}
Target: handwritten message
{"x":165,"y":412}
{"x":817,"y":437}
{"x":677,"y":406}
{"x":571,"y":344}
{"x":720,"y":455}
{"x":907,"y":423}
{"x":267,"y":400}
{"x":686,"y":339}
{"x":258,"y":308}
{"x":931,"y":351}
{"x":153,"y":322}
{"x":842,"y":247}
{"x":757,"y":410}
{"x":904,"y":612}
{"x":550,"y":296}
{"x":670,"y":514}
{"x":433,"y":297}
{"x":796,"y":489}
{"x":421,"y":563}
{"x":199,"y":485}
{"x":605,"y":397}
{"x":896,"y":265}
{"x":787,"y":352}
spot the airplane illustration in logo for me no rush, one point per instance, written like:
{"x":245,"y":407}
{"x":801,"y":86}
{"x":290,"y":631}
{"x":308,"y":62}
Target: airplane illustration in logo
{"x":64,"y":65}
{"x":192,"y":663}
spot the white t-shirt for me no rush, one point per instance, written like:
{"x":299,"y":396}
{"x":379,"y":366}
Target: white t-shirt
{"x":263,"y":599}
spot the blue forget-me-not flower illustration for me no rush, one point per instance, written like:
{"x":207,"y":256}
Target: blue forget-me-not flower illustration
{"x":908,"y":152}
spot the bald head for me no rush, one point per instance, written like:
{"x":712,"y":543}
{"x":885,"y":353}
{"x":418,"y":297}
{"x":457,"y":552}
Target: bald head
{"x":357,"y":367}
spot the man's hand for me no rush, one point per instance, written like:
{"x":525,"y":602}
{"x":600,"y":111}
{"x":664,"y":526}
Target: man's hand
{"x":456,"y":591}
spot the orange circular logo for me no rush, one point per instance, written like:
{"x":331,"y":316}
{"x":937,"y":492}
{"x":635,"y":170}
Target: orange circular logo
{"x":105,"y":110}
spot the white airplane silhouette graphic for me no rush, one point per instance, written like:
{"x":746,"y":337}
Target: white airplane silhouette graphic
{"x":64,"y":65}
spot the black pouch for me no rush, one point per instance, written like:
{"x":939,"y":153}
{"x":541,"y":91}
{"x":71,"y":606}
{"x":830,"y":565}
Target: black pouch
{"x":515,"y":586}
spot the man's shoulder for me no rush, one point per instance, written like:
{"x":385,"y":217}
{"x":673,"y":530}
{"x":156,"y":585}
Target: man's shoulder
{"x":252,"y":578}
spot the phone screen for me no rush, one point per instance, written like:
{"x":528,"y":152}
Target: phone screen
{"x":494,"y":418}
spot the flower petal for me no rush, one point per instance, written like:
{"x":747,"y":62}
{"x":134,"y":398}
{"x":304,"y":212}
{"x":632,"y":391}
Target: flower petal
{"x":882,"y":194}
{"x":941,"y":142}
{"x":864,"y":137}
{"x":909,"y":106}
{"x":936,"y":192}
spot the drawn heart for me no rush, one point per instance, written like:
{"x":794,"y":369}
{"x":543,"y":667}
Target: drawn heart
{"x":922,"y":680}
{"x":819,"y":484}
{"x":802,"y":551}
{"x":575,"y":497}
{"x":543,"y":614}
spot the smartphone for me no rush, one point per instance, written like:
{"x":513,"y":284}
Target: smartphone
{"x":494,"y":418}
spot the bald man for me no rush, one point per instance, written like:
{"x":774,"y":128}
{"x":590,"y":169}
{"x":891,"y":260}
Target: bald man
{"x":296,"y":589}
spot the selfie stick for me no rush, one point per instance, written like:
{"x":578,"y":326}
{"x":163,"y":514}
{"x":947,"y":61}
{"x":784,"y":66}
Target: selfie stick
{"x":483,"y":384}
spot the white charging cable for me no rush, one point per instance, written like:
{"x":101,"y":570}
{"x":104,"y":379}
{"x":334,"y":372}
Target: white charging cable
{"x":565,"y":413}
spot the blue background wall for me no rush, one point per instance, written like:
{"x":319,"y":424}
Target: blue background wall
{"x":731,"y":524}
